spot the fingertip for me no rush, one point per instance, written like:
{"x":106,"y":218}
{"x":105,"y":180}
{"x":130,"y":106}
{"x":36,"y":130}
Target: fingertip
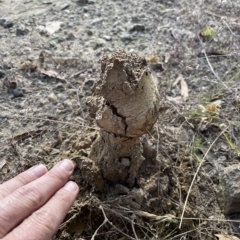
{"x":71,"y":186}
{"x":66,"y":165}
{"x":38,"y":170}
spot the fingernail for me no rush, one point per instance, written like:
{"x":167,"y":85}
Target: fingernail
{"x":66,"y":165}
{"x":38,"y":170}
{"x":71,"y":186}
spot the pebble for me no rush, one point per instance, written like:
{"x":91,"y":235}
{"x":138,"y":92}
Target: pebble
{"x":135,"y":19}
{"x":96,"y":21}
{"x":61,"y":39}
{"x":67,"y":104}
{"x":107,"y":38}
{"x":82,"y":1}
{"x":2,"y":21}
{"x":62,"y":97}
{"x":137,"y":27}
{"x":121,"y":189}
{"x":18,"y":92}
{"x":52,"y":97}
{"x":46,"y":1}
{"x":71,"y":37}
{"x":21,"y":31}
{"x":8,"y":23}
{"x":137,"y":195}
{"x":99,"y":42}
{"x":126,"y":37}
{"x":59,"y":87}
{"x":43,"y":102}
{"x":2,"y":73}
{"x":89,"y":32}
{"x":125,"y":162}
{"x":53,"y":44}
{"x":41,"y":29}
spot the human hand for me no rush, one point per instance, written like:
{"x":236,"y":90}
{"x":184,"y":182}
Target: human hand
{"x":34,"y":203}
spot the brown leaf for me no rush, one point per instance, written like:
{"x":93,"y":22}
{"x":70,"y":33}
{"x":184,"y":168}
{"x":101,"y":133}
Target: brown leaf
{"x":178,"y":79}
{"x":52,"y":74}
{"x":29,"y":134}
{"x":58,"y":138}
{"x":184,"y":89}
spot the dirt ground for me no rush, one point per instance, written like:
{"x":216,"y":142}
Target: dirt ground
{"x":49,"y":60}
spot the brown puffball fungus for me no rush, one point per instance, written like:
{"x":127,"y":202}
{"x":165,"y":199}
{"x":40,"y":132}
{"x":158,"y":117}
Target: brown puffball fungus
{"x":124,"y":103}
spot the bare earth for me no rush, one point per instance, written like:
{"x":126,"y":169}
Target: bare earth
{"x":49,"y":53}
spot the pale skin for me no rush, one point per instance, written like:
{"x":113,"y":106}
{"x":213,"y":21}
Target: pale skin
{"x":34,"y":203}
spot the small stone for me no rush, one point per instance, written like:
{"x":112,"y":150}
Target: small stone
{"x":157,"y":67}
{"x":17,"y":92}
{"x":52,"y":97}
{"x":53,"y":27}
{"x":71,"y":37}
{"x":126,"y":37}
{"x":59,"y":87}
{"x":46,"y":1}
{"x":125,"y":162}
{"x":89,"y":32}
{"x":121,"y":189}
{"x":8,"y":23}
{"x":222,"y":159}
{"x":21,"y":31}
{"x":99,"y":42}
{"x":62,"y":96}
{"x":107,"y":38}
{"x":2,"y":21}
{"x":137,"y":27}
{"x":67,"y":104}
{"x":96,"y":21}
{"x":223,"y":147}
{"x":137,"y":195}
{"x":53,"y":44}
{"x":135,"y":19}
{"x":41,"y":29}
{"x":229,"y":189}
{"x":2,"y":73}
{"x":61,"y":39}
{"x":43,"y":102}
{"x":82,"y":1}
{"x":72,"y":16}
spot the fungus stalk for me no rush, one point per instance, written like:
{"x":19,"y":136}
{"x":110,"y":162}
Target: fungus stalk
{"x":124,"y":103}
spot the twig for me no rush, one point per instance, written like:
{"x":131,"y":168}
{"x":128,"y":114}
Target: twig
{"x":134,"y":232}
{"x":195,"y":175}
{"x":105,"y":221}
{"x":209,"y":64}
{"x":127,"y":210}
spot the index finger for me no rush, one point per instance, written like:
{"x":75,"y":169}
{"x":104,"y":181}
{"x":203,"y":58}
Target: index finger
{"x":22,"y":179}
{"x":25,"y":200}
